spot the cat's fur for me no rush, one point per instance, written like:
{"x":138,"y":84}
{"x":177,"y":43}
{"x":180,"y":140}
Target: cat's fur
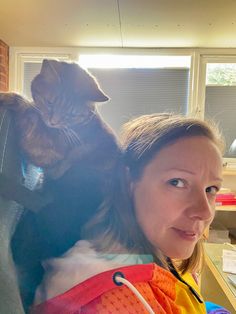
{"x":61,"y":132}
{"x":61,"y":125}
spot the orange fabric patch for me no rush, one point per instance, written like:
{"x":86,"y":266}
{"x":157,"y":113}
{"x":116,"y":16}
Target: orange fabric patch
{"x":159,"y":292}
{"x":122,"y":300}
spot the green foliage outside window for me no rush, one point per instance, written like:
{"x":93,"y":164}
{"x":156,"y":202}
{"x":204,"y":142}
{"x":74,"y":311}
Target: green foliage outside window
{"x":221,"y":74}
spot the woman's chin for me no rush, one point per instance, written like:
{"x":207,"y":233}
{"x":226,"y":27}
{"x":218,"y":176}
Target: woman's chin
{"x":181,"y":254}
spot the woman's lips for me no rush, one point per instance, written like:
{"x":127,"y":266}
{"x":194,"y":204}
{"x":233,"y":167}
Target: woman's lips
{"x":186,"y":234}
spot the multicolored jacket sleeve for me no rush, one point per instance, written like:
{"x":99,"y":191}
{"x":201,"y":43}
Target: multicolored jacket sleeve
{"x":213,"y":308}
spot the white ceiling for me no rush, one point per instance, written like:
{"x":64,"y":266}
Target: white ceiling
{"x":119,"y":23}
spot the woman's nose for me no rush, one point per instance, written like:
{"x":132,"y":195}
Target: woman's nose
{"x":202,"y":208}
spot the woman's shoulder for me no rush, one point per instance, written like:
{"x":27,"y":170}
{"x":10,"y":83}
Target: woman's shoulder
{"x":78,"y":264}
{"x":101,"y":294}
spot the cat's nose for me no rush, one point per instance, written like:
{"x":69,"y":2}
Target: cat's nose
{"x":54,"y":122}
{"x":54,"y":119}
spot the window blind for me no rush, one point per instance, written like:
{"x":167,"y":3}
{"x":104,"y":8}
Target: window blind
{"x":220,"y":105}
{"x":134,"y":92}
{"x":31,"y":69}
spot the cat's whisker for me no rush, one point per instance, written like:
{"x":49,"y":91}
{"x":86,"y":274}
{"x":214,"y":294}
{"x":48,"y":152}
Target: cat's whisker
{"x":36,"y":108}
{"x":67,"y":136}
{"x":71,"y":137}
{"x":74,"y":138}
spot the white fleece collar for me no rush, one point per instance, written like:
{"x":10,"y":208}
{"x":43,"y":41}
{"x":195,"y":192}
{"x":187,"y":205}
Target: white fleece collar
{"x":78,"y":264}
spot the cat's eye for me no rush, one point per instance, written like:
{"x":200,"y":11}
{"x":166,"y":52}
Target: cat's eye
{"x":74,"y":115}
{"x":50,"y":104}
{"x":70,"y":116}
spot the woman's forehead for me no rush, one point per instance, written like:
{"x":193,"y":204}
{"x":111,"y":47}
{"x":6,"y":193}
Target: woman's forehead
{"x":188,"y":153}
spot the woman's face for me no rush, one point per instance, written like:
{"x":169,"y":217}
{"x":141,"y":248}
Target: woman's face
{"x":175,"y":197}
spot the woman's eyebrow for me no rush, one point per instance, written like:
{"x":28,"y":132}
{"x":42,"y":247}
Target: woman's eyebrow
{"x":217,"y":179}
{"x":181,"y":170}
{"x":192,"y":173}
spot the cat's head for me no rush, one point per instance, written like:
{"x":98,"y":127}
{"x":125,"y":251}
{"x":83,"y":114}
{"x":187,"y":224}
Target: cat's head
{"x":65,"y":94}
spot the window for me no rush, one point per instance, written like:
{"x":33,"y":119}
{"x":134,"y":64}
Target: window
{"x":188,"y":81}
{"x":220,"y":100}
{"x":136,"y":91}
{"x":135,"y":84}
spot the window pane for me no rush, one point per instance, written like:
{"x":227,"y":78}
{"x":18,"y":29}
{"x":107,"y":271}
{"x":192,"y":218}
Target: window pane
{"x":220,"y":104}
{"x":223,"y":74}
{"x":134,"y":61}
{"x":31,"y":69}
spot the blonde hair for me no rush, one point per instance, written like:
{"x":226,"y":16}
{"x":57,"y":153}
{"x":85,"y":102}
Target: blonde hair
{"x":141,"y":139}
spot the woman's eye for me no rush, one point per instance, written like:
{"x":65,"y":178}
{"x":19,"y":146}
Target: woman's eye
{"x":212,"y":190}
{"x":179,"y":183}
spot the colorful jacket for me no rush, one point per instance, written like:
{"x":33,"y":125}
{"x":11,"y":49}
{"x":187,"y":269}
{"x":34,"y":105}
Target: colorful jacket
{"x":100,"y":293}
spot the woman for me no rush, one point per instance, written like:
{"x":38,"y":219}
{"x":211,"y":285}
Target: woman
{"x":149,"y":233}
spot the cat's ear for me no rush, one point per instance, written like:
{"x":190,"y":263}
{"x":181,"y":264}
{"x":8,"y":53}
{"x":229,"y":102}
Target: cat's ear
{"x":96,"y":94}
{"x":50,"y":71}
{"x":87,"y":86}
{"x":94,"y":91}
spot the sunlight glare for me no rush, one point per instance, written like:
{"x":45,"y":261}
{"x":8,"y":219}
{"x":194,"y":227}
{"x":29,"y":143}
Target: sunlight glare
{"x":133,"y":61}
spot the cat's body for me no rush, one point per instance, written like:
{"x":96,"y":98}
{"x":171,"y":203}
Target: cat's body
{"x":61,"y":126}
{"x":61,"y":132}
